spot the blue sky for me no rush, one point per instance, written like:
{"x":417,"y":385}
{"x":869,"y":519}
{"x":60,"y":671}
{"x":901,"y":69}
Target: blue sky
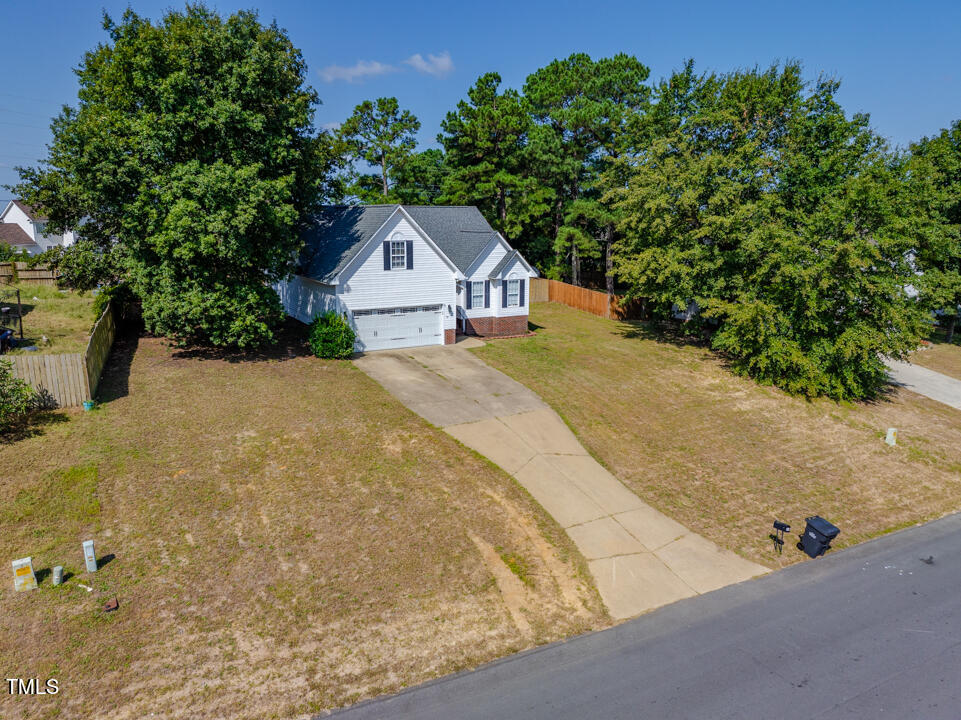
{"x":899,"y":61}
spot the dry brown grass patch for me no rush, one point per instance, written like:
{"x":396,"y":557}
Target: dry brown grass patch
{"x":941,"y":356}
{"x":726,"y":456}
{"x":288,"y":539}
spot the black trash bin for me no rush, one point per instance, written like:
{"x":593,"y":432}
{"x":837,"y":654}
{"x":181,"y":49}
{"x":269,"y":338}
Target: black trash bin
{"x":818,"y":536}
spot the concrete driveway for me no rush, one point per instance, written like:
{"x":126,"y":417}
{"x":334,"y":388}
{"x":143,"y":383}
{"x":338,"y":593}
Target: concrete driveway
{"x":640,"y":558}
{"x":926,"y":382}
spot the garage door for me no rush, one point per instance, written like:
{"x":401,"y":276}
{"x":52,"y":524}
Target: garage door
{"x":386,"y":328}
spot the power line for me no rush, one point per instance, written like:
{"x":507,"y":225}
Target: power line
{"x":35,"y":127}
{"x":24,"y":97}
{"x":20,"y":112}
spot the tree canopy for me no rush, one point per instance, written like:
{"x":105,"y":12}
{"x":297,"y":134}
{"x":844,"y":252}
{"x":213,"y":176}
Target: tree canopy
{"x":381,"y":134}
{"x":783,"y":230}
{"x":790,"y":226}
{"x":190,"y":158}
{"x":940,"y":264}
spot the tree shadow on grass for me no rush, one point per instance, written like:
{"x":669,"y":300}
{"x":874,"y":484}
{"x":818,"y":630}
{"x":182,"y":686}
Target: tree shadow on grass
{"x":671,"y":333}
{"x":115,"y":380}
{"x":290,"y":341}
{"x":31,"y":426}
{"x":939,"y":337}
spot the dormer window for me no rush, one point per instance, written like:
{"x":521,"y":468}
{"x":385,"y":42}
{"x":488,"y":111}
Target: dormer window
{"x":398,"y":255}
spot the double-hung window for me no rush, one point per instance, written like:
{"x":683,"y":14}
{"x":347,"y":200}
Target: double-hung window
{"x":477,"y":294}
{"x":398,"y":255}
{"x":513,"y":293}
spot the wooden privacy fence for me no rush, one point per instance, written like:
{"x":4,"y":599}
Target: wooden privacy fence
{"x":98,"y":348}
{"x":592,"y":301}
{"x":37,"y":275}
{"x":70,"y":378}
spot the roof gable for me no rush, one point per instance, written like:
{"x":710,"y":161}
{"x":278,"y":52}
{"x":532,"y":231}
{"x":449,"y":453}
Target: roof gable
{"x":13,"y":234}
{"x":461,"y":232}
{"x":29,"y":211}
{"x":509,"y":259}
{"x":337,"y":234}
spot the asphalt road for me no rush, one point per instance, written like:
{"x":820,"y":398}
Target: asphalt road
{"x":869,"y":632}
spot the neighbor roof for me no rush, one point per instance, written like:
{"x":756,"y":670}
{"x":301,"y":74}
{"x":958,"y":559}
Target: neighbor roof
{"x":337,"y":233}
{"x":13,"y":234}
{"x":29,"y":211}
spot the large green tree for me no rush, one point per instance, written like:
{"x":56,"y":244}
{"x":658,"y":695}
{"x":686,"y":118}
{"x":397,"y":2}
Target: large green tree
{"x":189,"y":158}
{"x":940,"y":283}
{"x":486,"y":152}
{"x":419,"y":180}
{"x":791,"y":226}
{"x":583,"y":107}
{"x":383,"y":135}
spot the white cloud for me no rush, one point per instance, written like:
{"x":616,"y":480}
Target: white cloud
{"x":436,"y":65}
{"x":357,"y":71}
{"x":330,"y":126}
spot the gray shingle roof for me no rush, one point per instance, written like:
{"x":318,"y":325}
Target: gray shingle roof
{"x":337,"y":233}
{"x":461,"y":232}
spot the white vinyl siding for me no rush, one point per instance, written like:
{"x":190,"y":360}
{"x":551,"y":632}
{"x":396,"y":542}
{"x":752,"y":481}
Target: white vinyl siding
{"x":365,"y":285}
{"x":495,"y":252}
{"x":305,"y":299}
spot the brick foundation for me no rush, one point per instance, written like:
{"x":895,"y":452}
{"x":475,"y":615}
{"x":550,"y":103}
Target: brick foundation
{"x":450,"y":336}
{"x":497,"y":326}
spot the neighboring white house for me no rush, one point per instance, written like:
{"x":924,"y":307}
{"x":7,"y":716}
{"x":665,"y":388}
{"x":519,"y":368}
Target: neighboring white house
{"x":24,"y":230}
{"x":408,"y":275}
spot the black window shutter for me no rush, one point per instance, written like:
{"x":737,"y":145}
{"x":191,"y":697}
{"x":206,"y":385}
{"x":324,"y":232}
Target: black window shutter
{"x":386,"y":255}
{"x":410,"y":254}
{"x":487,"y":293}
{"x":504,"y":284}
{"x":520,"y":285}
{"x":467,"y":286}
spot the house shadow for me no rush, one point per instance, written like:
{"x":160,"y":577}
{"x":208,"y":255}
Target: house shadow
{"x":115,"y":380}
{"x":290,"y":341}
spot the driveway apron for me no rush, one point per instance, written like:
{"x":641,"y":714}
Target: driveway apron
{"x":640,"y":558}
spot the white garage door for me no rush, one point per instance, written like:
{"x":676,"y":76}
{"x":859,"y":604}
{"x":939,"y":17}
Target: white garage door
{"x":387,"y":328}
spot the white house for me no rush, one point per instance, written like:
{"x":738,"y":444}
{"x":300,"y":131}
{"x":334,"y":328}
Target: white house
{"x":25,"y":230}
{"x":408,"y":275}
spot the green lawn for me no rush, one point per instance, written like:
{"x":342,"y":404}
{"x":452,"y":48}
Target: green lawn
{"x":288,"y":538}
{"x":64,"y":317}
{"x":725,"y":455}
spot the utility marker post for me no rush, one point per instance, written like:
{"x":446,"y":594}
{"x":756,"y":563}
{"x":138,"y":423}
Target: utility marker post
{"x":89,"y":556}
{"x":23,"y":575}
